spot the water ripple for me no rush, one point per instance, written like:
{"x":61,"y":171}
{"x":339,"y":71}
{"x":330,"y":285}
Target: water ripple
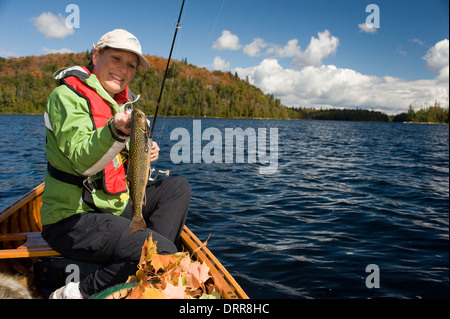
{"x":346,"y":195}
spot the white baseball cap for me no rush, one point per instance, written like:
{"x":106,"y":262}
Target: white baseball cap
{"x":123,"y":40}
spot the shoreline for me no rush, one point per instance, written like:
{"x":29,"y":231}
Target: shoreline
{"x":251,"y":118}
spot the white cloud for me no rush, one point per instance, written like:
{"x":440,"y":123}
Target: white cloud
{"x":418,"y":41}
{"x":63,"y":50}
{"x":318,"y":49}
{"x":329,"y":86}
{"x":52,"y":26}
{"x":227,"y":41}
{"x":220,"y":64}
{"x":6,"y":53}
{"x":437,"y":58}
{"x":363,"y":27}
{"x":316,"y":85}
{"x":254,"y":48}
{"x":401,"y":51}
{"x":443,"y":74}
{"x":291,"y":49}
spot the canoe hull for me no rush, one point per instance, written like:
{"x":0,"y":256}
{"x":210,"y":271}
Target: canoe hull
{"x":23,"y":216}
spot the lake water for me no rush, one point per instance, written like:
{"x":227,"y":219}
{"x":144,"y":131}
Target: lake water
{"x":345,"y":196}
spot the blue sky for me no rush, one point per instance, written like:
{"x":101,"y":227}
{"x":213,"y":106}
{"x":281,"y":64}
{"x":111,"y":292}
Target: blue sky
{"x":307,"y":53}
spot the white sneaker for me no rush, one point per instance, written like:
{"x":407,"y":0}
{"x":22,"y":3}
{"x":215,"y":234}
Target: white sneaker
{"x":69,"y":291}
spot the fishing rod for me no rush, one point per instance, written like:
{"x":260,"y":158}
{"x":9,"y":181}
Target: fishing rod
{"x":177,"y":26}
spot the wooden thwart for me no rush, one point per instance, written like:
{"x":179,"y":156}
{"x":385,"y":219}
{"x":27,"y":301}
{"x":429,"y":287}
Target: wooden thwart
{"x":33,"y":246}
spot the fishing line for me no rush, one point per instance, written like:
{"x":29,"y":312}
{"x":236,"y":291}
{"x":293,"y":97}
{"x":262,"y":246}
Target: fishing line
{"x":166,"y":113}
{"x":174,"y":66}
{"x":217,"y":18}
{"x":177,"y":26}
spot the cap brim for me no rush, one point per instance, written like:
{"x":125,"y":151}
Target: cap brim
{"x":143,"y":62}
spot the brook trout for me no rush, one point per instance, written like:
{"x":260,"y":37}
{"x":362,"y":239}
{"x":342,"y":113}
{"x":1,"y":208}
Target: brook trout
{"x":138,"y":166}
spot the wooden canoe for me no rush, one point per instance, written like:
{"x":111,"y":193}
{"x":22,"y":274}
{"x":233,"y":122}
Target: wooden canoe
{"x":20,"y":241}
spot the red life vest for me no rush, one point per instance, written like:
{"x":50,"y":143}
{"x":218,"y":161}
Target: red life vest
{"x":113,"y":175}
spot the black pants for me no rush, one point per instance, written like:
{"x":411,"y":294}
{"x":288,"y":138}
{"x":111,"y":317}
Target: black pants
{"x":105,"y":238}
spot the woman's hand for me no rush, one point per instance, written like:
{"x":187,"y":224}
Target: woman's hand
{"x":154,"y":152}
{"x":122,"y":123}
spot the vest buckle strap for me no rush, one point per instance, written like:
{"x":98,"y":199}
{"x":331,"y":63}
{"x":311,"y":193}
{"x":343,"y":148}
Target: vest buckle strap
{"x":88,"y":184}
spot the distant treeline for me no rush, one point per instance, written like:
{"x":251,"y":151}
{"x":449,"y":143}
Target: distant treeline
{"x":340,"y":115}
{"x":26,"y":82}
{"x":432,"y":114}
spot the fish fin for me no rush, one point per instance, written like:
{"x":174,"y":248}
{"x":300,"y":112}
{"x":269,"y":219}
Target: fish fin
{"x":138,"y":224}
{"x":144,"y":200}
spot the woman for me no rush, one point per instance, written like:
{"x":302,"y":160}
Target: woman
{"x":86,"y":213}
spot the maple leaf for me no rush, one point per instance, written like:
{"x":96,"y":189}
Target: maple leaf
{"x":153,"y":293}
{"x":145,"y":290}
{"x":213,"y":295}
{"x":197,"y":274}
{"x":141,"y":274}
{"x":164,"y":261}
{"x":171,"y":275}
{"x":181,"y":276}
{"x":175,"y":292}
{"x":148,"y":250}
{"x":139,"y":290}
{"x":151,"y":248}
{"x":185,"y":262}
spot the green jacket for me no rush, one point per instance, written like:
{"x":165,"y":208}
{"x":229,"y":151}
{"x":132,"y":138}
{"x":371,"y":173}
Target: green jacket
{"x":73,"y":146}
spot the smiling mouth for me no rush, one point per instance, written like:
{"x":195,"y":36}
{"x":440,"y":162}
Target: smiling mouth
{"x":115,"y":77}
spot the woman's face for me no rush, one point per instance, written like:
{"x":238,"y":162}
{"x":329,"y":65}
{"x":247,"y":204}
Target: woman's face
{"x":114,"y":69}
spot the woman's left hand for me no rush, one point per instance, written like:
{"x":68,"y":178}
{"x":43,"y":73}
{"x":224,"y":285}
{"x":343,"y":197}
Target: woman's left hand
{"x":154,"y":151}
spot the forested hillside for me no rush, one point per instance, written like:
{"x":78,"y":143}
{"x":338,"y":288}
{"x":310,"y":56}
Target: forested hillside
{"x":26,"y":82}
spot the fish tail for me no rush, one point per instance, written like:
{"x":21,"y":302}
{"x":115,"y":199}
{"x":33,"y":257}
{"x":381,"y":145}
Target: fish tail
{"x":138,"y":224}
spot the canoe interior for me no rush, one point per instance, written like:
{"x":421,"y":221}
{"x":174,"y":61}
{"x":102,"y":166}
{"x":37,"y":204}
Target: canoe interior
{"x":23,"y":216}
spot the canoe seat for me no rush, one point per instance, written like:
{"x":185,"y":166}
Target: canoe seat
{"x":31,"y":244}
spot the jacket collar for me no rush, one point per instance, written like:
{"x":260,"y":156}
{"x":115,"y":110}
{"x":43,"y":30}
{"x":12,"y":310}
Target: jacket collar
{"x":83,"y":74}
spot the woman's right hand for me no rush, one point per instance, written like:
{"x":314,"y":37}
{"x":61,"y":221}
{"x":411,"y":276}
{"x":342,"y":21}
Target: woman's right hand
{"x":122,"y":123}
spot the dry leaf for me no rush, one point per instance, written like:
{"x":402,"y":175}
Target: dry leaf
{"x":164,"y":261}
{"x":139,"y":290}
{"x":197,"y":274}
{"x":175,"y":292}
{"x":153,"y":293}
{"x":180,"y":277}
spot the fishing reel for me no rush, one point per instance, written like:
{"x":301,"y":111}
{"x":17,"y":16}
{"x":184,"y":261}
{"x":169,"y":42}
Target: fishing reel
{"x":166,"y":173}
